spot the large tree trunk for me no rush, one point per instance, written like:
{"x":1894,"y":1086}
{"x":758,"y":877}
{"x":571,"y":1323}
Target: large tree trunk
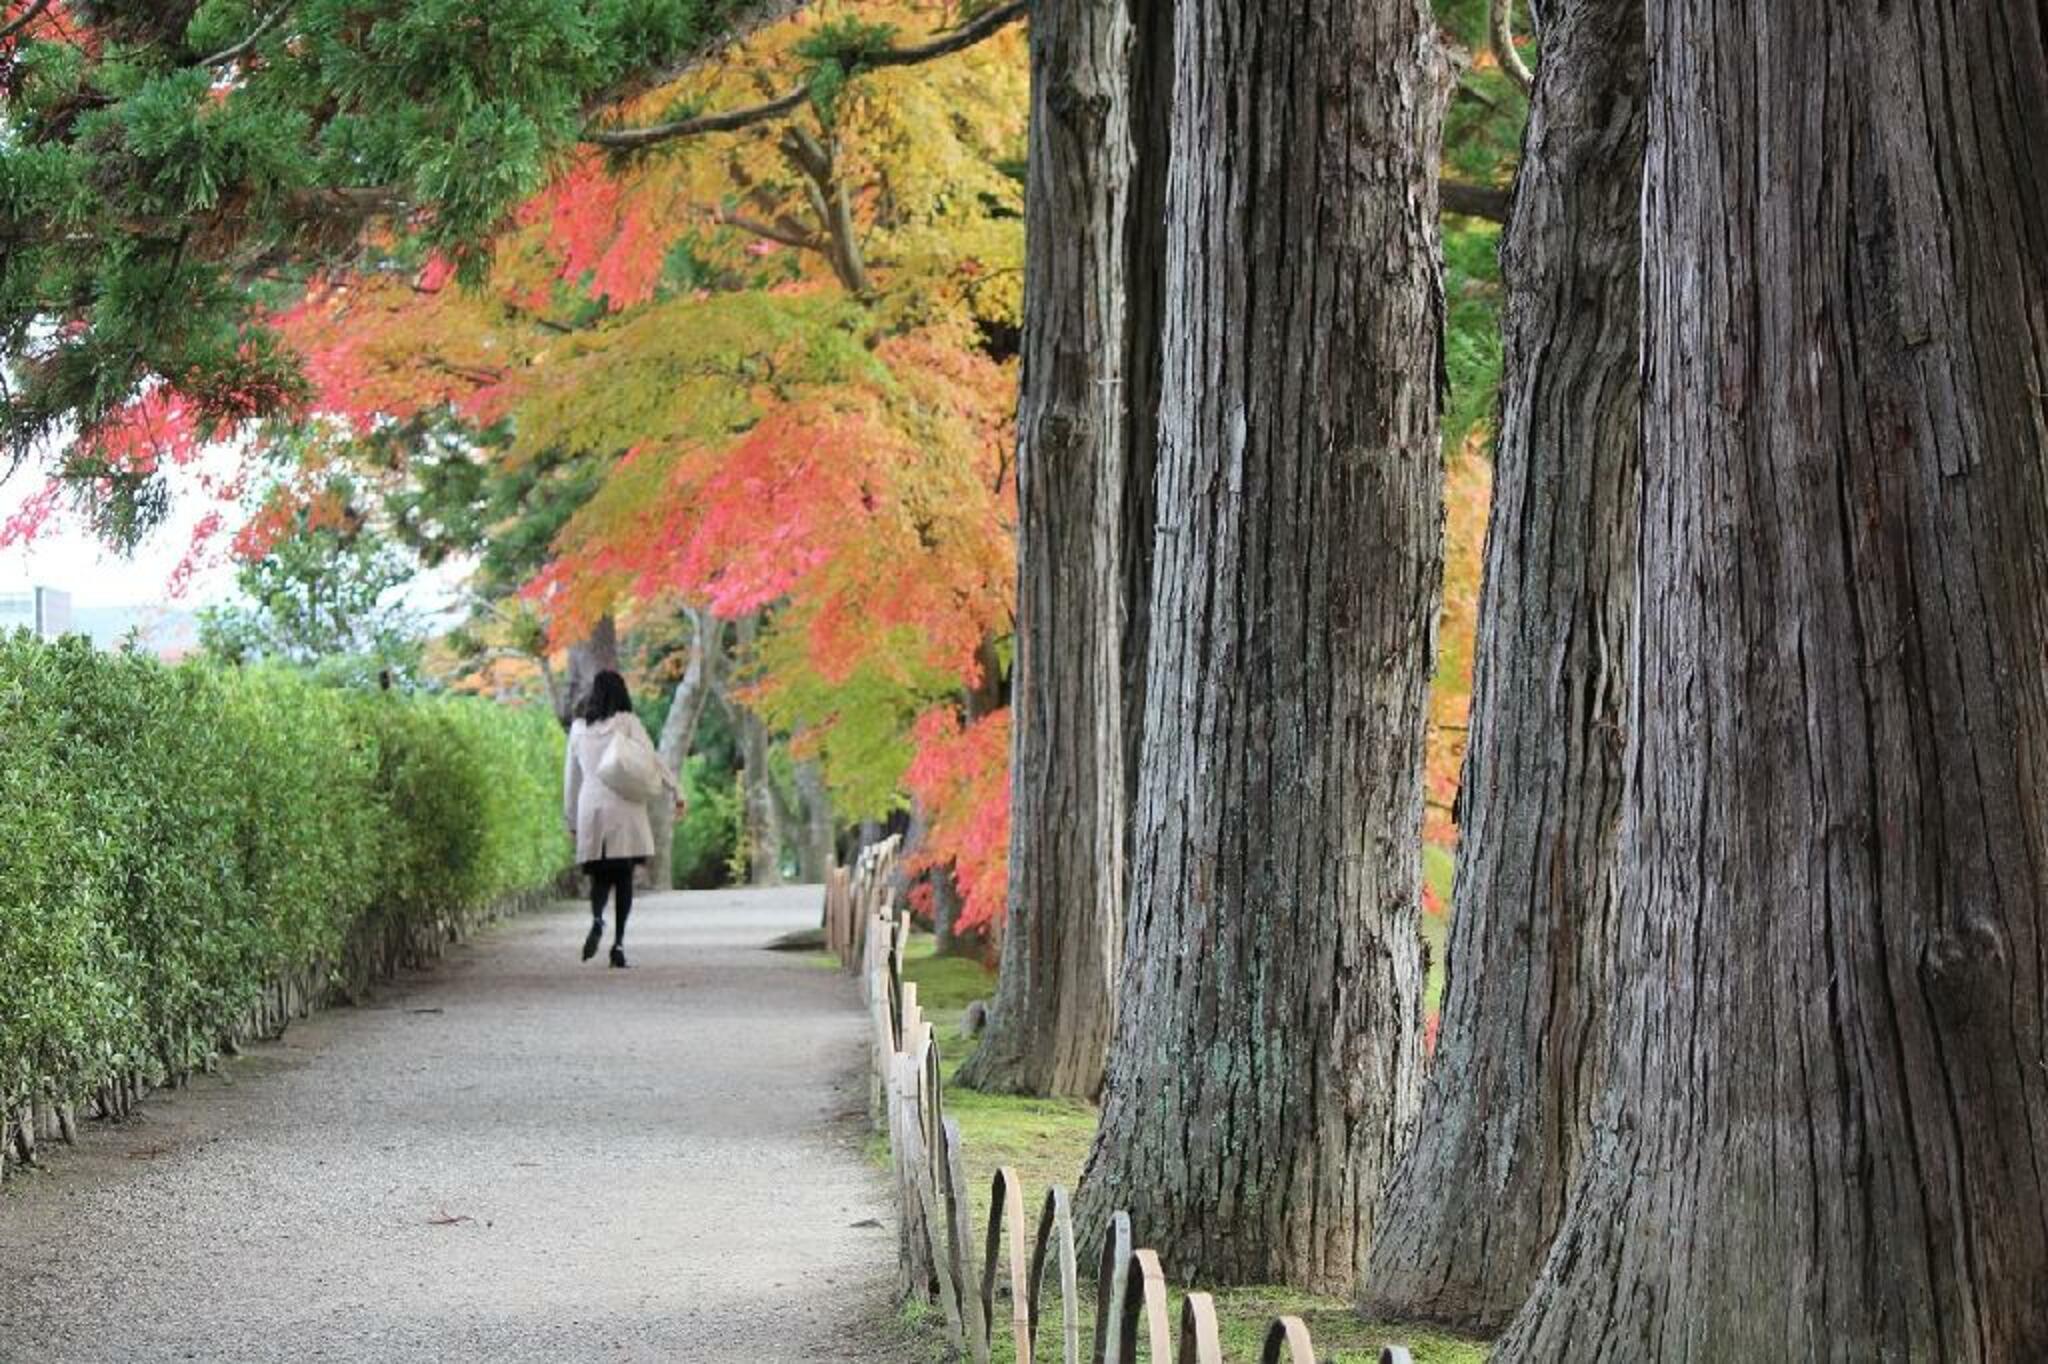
{"x":946,"y":941}
{"x":1827,"y":1132}
{"x":597,"y":653}
{"x":1145,"y":290}
{"x":1055,"y":999}
{"x":1268,"y":1049}
{"x":702,"y":677}
{"x":1479,"y":1190}
{"x":817,"y":850}
{"x":761,"y":808}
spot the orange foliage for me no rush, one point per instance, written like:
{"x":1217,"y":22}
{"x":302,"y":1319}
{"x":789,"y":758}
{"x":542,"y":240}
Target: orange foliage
{"x":1468,"y":492}
{"x":771,"y":443}
{"x":961,"y":777}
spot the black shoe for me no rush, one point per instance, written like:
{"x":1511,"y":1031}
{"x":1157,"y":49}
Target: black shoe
{"x":596,"y":936}
{"x":618,"y":956}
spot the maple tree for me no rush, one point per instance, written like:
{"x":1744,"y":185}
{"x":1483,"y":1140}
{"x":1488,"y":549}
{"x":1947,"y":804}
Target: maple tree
{"x":331,"y":289}
{"x":172,"y":168}
{"x":409,"y":235}
{"x":769,"y":439}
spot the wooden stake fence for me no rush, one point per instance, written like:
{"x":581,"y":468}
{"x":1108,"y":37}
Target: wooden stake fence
{"x":937,"y":1262}
{"x":854,"y":898}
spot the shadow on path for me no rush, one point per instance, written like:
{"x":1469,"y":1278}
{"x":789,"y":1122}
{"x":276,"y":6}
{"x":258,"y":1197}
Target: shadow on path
{"x":518,"y":1156}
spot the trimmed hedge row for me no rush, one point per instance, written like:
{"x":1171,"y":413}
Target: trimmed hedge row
{"x":178,"y":843}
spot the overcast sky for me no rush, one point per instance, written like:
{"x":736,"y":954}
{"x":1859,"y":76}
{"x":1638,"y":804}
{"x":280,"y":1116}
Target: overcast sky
{"x":65,"y":556}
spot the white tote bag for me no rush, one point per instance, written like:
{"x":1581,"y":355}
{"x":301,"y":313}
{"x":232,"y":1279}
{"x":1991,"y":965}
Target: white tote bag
{"x":630,"y":768}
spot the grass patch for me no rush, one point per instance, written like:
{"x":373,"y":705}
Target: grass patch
{"x":1341,"y":1338}
{"x":1439,"y":869}
{"x":1243,"y":1314}
{"x":1046,"y":1141}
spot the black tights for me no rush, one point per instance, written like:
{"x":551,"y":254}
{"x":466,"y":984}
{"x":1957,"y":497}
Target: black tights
{"x":614,"y":877}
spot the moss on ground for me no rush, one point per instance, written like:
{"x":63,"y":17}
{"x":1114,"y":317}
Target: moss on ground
{"x":1243,"y":1313}
{"x":1341,"y":1338}
{"x":1046,"y":1141}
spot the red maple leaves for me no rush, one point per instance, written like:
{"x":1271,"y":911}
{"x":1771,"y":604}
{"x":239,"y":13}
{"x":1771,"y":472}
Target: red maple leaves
{"x":961,"y":778}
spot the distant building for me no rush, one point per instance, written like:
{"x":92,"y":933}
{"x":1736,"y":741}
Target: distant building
{"x":44,"y":611}
{"x":165,"y":631}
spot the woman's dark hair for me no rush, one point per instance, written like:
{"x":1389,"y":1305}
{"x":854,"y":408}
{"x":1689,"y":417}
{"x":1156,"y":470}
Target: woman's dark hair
{"x":607,"y":697}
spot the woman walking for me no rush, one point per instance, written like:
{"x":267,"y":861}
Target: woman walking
{"x":609,"y":778}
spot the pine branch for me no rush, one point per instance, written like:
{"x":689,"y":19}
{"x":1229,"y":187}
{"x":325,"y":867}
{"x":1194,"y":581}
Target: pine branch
{"x":729,"y":121}
{"x":961,"y":38}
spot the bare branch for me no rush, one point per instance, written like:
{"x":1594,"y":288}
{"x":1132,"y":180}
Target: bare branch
{"x":1475,"y":201}
{"x":818,"y":163}
{"x":1467,"y":90}
{"x":226,"y":55}
{"x":1501,"y":34}
{"x":788,"y":236}
{"x":959,"y":39}
{"x":729,"y":121}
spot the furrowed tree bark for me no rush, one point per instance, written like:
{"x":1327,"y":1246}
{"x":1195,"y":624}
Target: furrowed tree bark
{"x":1826,"y":1132}
{"x":1050,"y":1027}
{"x":1145,"y":290}
{"x":1268,"y":1047}
{"x":702,"y":677}
{"x":1478,"y":1193}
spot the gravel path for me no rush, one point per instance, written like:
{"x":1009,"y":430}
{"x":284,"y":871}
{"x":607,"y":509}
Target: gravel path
{"x":514,"y":1157}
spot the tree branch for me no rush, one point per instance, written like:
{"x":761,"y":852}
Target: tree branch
{"x":730,"y":121}
{"x":818,"y":163}
{"x":1501,"y":34}
{"x":28,"y":16}
{"x":1466,"y":90}
{"x":961,"y":38}
{"x":1475,"y":201}
{"x":803,"y":241}
{"x":226,"y":55}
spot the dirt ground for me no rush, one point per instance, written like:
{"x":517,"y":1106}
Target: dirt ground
{"x":517,"y":1156}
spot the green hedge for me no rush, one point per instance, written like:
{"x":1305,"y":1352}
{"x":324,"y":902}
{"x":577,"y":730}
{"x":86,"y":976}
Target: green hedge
{"x":173,"y":839}
{"x":707,"y":839}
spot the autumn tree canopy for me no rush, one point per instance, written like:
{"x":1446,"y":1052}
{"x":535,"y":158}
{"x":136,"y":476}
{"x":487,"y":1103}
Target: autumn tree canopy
{"x":644,"y":303}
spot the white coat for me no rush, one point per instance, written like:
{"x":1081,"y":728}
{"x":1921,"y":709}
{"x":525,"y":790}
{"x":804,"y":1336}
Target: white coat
{"x":605,"y":823}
